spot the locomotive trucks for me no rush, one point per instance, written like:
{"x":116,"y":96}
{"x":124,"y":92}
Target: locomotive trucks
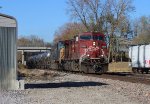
{"x":87,"y":52}
{"x":140,"y":58}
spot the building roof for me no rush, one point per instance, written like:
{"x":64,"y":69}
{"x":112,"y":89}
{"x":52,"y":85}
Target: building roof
{"x":7,"y":21}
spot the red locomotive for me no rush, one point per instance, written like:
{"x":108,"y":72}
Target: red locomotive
{"x":87,"y":53}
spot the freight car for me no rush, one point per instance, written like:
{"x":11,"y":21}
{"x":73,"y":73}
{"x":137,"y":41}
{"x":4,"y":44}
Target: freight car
{"x":87,"y":52}
{"x":140,"y":58}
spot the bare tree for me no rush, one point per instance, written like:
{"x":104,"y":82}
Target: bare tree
{"x":89,"y":12}
{"x":117,"y":12}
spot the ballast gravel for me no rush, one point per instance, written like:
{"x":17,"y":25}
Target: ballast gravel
{"x":67,"y":88}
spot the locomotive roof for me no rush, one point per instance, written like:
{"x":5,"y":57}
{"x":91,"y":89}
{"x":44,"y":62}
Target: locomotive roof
{"x":91,"y":33}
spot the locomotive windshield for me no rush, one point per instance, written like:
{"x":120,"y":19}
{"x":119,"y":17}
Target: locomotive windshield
{"x":98,"y":38}
{"x":86,"y":37}
{"x":89,"y":37}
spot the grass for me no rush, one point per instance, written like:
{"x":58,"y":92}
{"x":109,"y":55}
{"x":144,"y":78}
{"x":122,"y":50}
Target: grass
{"x":119,"y":67}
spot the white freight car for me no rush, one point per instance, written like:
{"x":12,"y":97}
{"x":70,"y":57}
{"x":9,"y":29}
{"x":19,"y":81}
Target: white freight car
{"x":140,"y":58}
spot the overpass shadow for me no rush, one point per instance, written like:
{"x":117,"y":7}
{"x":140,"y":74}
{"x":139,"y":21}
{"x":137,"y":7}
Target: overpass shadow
{"x":63,"y":85}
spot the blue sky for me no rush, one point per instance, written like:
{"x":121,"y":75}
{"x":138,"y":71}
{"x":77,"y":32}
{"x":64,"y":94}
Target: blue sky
{"x":43,"y":17}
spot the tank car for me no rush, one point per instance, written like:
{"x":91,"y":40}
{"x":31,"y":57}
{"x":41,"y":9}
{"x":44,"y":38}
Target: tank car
{"x":87,"y":53}
{"x":39,"y":61}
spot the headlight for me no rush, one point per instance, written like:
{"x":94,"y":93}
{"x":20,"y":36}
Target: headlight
{"x":102,"y":55}
{"x":94,"y":43}
{"x":88,"y":55}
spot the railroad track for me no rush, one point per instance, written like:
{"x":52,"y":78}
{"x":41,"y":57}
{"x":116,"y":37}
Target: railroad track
{"x":127,"y":77}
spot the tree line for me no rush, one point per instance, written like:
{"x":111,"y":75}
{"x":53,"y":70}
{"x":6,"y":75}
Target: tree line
{"x":32,"y":41}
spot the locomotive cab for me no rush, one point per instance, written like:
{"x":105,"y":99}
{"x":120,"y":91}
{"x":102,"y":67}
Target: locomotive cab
{"x":92,"y":45}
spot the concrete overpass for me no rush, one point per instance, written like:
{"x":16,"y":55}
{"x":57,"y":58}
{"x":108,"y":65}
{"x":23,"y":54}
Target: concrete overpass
{"x":31,"y":49}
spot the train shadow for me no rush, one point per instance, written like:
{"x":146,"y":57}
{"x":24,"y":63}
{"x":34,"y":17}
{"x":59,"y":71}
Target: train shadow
{"x":63,"y":85}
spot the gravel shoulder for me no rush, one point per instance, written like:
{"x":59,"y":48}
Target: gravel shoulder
{"x":65,"y":88}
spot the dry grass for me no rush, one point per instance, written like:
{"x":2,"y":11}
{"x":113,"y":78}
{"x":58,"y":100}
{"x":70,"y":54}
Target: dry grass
{"x":36,"y":74}
{"x":119,"y":67}
{"x":23,"y":72}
